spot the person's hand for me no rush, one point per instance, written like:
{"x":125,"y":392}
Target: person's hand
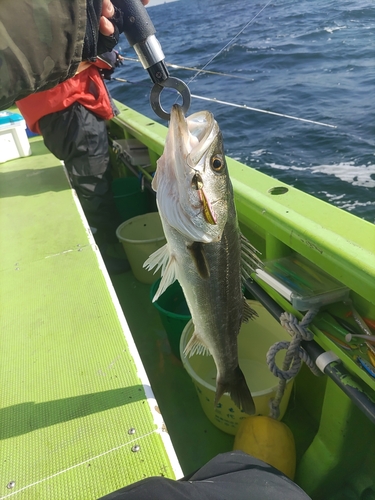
{"x":110,"y":26}
{"x":106,"y":28}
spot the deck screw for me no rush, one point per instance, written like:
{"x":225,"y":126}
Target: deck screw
{"x":131,"y":431}
{"x":11,"y":485}
{"x":135,"y":448}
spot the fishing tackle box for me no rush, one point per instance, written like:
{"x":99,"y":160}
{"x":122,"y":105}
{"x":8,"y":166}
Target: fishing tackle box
{"x":302,"y":283}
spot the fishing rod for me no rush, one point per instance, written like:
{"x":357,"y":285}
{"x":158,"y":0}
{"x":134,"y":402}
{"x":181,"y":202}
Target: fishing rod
{"x":329,"y":364}
{"x":242,"y":106}
{"x":140,"y":33}
{"x":140,"y":37}
{"x":188,"y":68}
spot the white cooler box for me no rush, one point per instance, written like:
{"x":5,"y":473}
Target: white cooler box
{"x":13,"y":138}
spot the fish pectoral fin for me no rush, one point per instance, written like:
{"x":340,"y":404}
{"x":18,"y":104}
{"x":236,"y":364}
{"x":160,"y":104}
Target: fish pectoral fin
{"x":168,"y":277}
{"x":248,"y":312}
{"x":196,"y":346}
{"x":158,"y":259}
{"x":198,"y":255}
{"x":164,"y":260}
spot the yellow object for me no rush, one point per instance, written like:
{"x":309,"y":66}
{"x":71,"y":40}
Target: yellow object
{"x":269,"y":440}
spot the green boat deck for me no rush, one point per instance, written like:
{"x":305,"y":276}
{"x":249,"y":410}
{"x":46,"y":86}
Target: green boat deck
{"x":92,"y":397}
{"x":75,"y":399}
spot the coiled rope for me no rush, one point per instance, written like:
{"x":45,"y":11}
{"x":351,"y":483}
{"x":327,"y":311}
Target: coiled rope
{"x":294,"y":356}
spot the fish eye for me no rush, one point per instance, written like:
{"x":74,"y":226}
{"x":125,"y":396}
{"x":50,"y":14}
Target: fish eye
{"x":217,"y":163}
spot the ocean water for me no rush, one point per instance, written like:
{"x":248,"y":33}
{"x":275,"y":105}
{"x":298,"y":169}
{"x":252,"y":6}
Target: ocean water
{"x":310,"y":59}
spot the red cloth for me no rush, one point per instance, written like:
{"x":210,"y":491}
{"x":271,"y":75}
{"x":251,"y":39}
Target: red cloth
{"x":86,"y":87}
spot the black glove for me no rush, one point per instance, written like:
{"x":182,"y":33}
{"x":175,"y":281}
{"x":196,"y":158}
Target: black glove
{"x":114,"y":59}
{"x":95,"y":43}
{"x":106,"y":43}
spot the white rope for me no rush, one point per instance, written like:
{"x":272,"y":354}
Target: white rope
{"x":293,"y":357}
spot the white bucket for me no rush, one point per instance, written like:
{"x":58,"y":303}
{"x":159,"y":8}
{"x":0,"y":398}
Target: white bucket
{"x":141,"y":236}
{"x":254,"y":340}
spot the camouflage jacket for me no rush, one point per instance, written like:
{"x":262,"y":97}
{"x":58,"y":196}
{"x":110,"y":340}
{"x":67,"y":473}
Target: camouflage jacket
{"x":42,"y":43}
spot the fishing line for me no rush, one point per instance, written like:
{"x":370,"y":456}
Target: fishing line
{"x":227,"y":45}
{"x":230,"y":41}
{"x":187,"y":68}
{"x":242,"y":106}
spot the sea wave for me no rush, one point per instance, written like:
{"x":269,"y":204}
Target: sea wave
{"x":356,"y":175}
{"x":312,"y":60}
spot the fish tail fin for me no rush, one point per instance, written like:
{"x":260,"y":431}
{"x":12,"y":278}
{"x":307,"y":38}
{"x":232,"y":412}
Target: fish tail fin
{"x":238,"y":391}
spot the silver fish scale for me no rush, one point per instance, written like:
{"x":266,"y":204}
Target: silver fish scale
{"x":210,"y":272}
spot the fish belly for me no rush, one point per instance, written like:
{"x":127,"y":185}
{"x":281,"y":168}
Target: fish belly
{"x":215,"y":301}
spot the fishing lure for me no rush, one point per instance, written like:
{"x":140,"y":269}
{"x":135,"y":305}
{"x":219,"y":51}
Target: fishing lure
{"x":366,"y":366}
{"x":308,"y":269}
{"x":371,"y":356}
{"x":345,"y":324}
{"x":197,"y":184}
{"x":369,"y":322}
{"x":288,"y":272}
{"x":358,"y":319}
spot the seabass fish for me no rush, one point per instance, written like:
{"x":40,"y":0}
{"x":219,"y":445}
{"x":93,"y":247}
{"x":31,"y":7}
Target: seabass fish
{"x":203,"y":250}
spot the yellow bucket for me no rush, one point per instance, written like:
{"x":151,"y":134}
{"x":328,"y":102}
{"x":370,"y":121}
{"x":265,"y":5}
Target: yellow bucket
{"x":141,"y":236}
{"x":254,"y":340}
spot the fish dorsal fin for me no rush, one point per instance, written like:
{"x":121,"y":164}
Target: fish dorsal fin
{"x":248,"y":312}
{"x":198,"y":255}
{"x":249,"y":258}
{"x":162,"y":259}
{"x":196,"y":346}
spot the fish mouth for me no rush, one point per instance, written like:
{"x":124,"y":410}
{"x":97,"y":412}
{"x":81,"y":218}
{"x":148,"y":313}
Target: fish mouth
{"x":179,"y":179}
{"x":193,"y":136}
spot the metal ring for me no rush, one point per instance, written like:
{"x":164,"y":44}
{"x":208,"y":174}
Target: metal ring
{"x":173,"y":83}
